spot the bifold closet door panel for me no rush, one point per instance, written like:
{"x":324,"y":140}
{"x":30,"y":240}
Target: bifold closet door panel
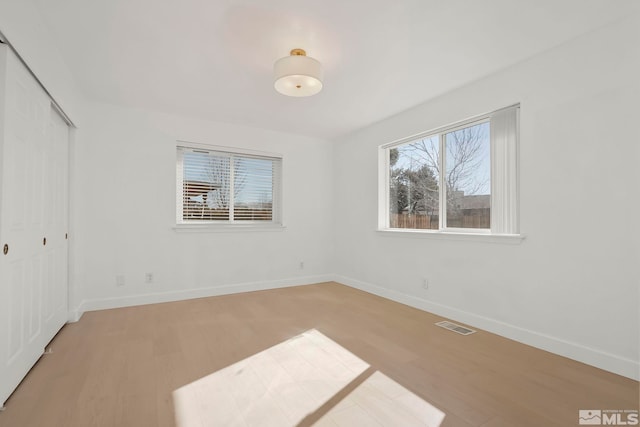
{"x":55,"y":214}
{"x":33,"y":261}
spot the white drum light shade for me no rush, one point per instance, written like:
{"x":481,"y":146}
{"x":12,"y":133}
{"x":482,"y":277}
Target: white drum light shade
{"x":298,"y":74}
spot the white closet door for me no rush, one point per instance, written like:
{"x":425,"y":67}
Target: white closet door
{"x":33,"y":221}
{"x":55,"y":214}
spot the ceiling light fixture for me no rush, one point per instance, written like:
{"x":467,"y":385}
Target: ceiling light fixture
{"x":297,"y":74}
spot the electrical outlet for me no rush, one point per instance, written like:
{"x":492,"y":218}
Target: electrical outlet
{"x":425,"y":283}
{"x":301,"y":265}
{"x":119,"y":280}
{"x":148,"y":277}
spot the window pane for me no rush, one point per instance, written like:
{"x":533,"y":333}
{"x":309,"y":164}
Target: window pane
{"x":468,"y":177}
{"x":206,"y":181}
{"x":413,"y":184}
{"x":253,"y":189}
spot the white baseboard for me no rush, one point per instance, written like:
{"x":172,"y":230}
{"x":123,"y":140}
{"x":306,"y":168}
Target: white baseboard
{"x":608,"y":362}
{"x":158,"y":297}
{"x":73,"y":316}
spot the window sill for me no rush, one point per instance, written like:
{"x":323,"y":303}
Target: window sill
{"x":226,"y":228}
{"x":510,"y":239}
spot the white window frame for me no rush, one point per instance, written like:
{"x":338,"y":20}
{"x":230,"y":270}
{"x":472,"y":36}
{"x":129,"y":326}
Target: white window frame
{"x":276,"y":223}
{"x":504,"y":182}
{"x":443,"y":188}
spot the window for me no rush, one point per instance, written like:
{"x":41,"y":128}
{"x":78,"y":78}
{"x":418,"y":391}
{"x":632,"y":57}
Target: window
{"x":461,"y":178}
{"x":224,"y":187}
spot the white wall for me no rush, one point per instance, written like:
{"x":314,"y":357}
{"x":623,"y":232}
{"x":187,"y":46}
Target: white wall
{"x":125,"y":179}
{"x":572,"y":285}
{"x":25,"y":29}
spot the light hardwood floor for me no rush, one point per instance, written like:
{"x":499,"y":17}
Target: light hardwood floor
{"x":323,"y":354}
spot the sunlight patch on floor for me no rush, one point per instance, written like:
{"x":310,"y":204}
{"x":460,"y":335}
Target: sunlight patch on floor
{"x":380,"y":401}
{"x":306,"y":380}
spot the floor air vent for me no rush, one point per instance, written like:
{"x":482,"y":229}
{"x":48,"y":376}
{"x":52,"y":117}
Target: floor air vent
{"x":455,"y":328}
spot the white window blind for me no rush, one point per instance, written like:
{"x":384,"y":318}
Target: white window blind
{"x":227,"y":187}
{"x":504,"y":161}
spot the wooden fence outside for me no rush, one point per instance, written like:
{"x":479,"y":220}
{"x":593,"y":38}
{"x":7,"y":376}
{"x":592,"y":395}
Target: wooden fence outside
{"x":469,"y":218}
{"x":421,"y":222}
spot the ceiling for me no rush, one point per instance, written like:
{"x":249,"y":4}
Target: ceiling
{"x":213,"y":59}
